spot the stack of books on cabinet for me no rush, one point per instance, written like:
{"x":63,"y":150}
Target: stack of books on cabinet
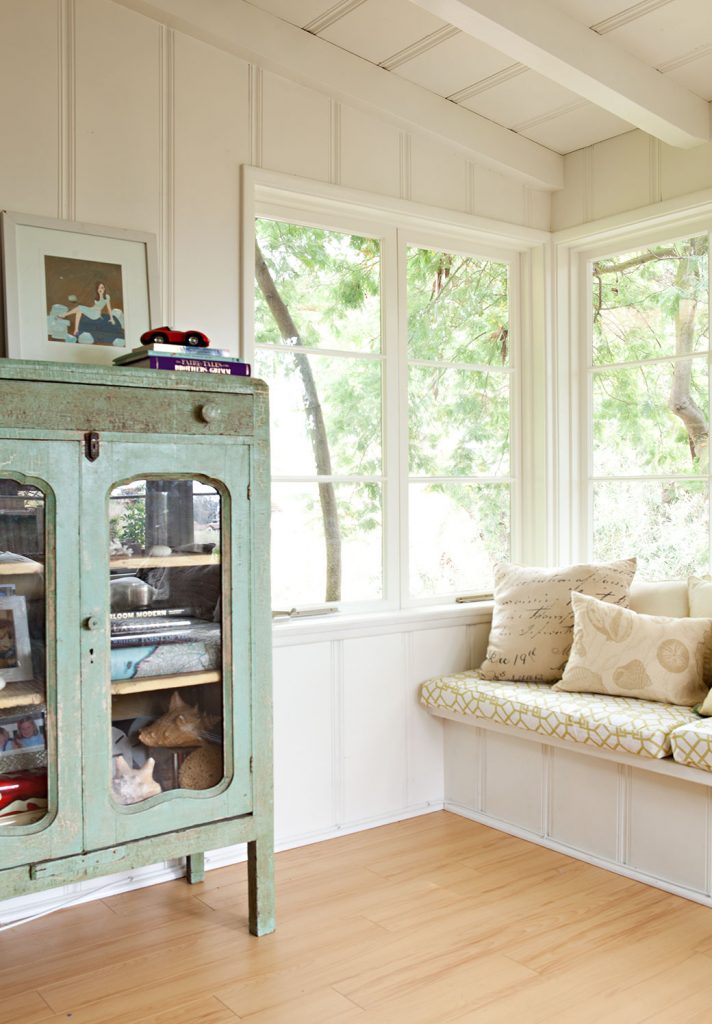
{"x":163,"y":356}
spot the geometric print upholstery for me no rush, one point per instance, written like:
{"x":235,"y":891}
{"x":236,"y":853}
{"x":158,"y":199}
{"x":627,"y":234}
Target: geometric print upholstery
{"x":692,"y":744}
{"x":641,"y":727}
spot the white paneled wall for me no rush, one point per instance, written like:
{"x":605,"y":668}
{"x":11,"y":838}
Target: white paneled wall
{"x":352,"y":745}
{"x":625,"y":173}
{"x":113,"y":118}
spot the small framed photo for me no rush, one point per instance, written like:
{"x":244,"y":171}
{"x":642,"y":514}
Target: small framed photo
{"x":22,"y":732}
{"x":75,"y":293}
{"x":15,"y":650}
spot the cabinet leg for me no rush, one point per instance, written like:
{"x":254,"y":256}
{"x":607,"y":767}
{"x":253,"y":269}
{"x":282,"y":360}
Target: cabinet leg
{"x":260,"y":881}
{"x":195,"y":867}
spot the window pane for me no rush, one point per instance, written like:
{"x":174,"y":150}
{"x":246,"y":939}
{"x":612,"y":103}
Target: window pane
{"x":165,"y":593}
{"x":348,"y":392}
{"x":665,"y":524}
{"x":651,"y":302}
{"x":299,"y":550}
{"x":328,"y":288}
{"x":458,"y":308}
{"x":457,"y":533}
{"x":459,"y":422}
{"x":27,"y":732}
{"x":635,"y":430}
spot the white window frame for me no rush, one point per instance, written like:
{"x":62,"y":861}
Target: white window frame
{"x":401,"y":223}
{"x":572,"y":352}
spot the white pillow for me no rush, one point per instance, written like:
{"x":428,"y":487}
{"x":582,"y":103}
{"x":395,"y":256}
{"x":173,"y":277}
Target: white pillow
{"x":628,"y":654}
{"x":699,"y":594}
{"x":532,"y":621}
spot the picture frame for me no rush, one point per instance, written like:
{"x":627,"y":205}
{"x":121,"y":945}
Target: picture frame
{"x":15,"y":648}
{"x":16,"y":735}
{"x":75,"y":292}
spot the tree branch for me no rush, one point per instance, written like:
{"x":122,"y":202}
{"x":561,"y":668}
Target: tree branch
{"x":316,"y":426}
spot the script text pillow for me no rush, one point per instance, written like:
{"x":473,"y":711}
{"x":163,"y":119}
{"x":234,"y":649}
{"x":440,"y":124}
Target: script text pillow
{"x":532,"y":621}
{"x":628,"y":654}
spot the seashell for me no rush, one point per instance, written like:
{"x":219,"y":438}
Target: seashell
{"x":613,"y":623}
{"x":632,"y":676}
{"x":583,"y":680}
{"x":673,"y":655}
{"x":202,"y":769}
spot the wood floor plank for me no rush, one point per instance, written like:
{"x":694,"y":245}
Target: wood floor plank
{"x":28,"y":1007}
{"x":429,"y":921}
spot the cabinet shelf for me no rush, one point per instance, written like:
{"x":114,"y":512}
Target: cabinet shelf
{"x":155,"y":561}
{"x":21,"y":694}
{"x":20,"y":568}
{"x":163,"y":682}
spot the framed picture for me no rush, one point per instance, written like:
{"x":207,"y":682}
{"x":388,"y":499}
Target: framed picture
{"x":22,"y":732}
{"x":75,"y":293}
{"x":15,"y":651}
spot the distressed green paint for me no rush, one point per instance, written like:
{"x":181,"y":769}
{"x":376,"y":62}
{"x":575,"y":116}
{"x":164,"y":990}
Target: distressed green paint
{"x":154,"y":426}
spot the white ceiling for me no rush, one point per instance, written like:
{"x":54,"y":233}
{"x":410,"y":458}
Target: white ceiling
{"x":673,"y":37}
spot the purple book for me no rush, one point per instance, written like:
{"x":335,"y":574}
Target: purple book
{"x":222,"y":366}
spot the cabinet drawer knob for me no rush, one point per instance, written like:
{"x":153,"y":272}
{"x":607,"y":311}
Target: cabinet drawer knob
{"x":210,"y":412}
{"x":91,"y":622}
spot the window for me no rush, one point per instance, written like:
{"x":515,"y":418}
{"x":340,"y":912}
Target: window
{"x":391,"y":388}
{"x":458,"y":420}
{"x":649,"y":398}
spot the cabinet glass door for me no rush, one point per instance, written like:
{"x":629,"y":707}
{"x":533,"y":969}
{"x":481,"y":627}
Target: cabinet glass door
{"x":165,"y":598}
{"x":23,"y":638}
{"x":167,"y":637}
{"x":40,"y":717}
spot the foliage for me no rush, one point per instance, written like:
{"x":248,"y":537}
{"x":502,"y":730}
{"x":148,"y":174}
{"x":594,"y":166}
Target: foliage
{"x":650,"y":419}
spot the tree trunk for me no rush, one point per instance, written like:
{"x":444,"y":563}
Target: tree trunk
{"x":316,"y":427}
{"x":681,"y":401}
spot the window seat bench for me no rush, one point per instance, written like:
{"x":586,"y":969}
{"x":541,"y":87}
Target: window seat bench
{"x":618,"y":782}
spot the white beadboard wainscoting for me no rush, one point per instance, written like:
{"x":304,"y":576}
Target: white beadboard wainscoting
{"x":353,"y":748}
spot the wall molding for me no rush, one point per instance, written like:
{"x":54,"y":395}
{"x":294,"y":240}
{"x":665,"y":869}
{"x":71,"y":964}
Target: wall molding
{"x":255,"y":93}
{"x":67,"y":111}
{"x":166,"y":185}
{"x":334,"y":142}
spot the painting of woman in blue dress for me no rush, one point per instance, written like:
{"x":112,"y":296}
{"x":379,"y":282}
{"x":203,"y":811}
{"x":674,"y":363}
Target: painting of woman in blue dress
{"x":84,"y":302}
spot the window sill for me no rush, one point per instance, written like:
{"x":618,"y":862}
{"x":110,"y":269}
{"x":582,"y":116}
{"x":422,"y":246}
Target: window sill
{"x":345,"y":625}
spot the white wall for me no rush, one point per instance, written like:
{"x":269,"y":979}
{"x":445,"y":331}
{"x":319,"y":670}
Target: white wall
{"x":112,"y":118}
{"x":624,"y":173}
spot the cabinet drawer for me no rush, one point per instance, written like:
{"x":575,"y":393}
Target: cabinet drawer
{"x":83,"y":407}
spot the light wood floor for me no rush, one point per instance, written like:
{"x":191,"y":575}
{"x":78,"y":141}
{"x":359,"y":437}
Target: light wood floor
{"x":433,"y":919}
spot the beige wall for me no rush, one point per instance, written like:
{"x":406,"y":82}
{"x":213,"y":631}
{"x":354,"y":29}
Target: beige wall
{"x":625,"y":173}
{"x":111,"y":118}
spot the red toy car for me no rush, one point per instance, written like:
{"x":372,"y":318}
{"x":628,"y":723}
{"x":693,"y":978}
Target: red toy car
{"x":167,"y":336}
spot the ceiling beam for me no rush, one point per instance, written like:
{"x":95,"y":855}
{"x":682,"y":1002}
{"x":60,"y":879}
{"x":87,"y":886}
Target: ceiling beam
{"x":256,"y":36}
{"x":560,"y":48}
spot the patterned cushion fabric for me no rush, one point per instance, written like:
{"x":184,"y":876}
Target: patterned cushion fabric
{"x":610,"y":723}
{"x":625,"y":653}
{"x":532,"y":622}
{"x":692,"y":744}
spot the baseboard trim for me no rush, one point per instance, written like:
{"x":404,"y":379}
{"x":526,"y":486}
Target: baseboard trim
{"x":578,"y":854}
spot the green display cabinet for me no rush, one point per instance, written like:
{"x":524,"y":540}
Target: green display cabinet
{"x":135,"y":624}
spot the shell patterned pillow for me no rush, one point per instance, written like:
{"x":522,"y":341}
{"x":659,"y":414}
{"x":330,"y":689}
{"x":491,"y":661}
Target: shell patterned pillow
{"x":627,"y":654}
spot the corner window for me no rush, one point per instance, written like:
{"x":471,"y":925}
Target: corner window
{"x":649,"y":398}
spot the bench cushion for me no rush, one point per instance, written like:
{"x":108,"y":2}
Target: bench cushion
{"x":625,"y":724}
{"x":692,"y":744}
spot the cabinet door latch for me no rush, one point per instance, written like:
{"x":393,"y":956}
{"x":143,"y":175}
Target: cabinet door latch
{"x":91,"y":445}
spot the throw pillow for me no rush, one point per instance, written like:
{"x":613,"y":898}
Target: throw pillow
{"x":532,"y":621}
{"x":628,"y":654}
{"x":699,"y":593}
